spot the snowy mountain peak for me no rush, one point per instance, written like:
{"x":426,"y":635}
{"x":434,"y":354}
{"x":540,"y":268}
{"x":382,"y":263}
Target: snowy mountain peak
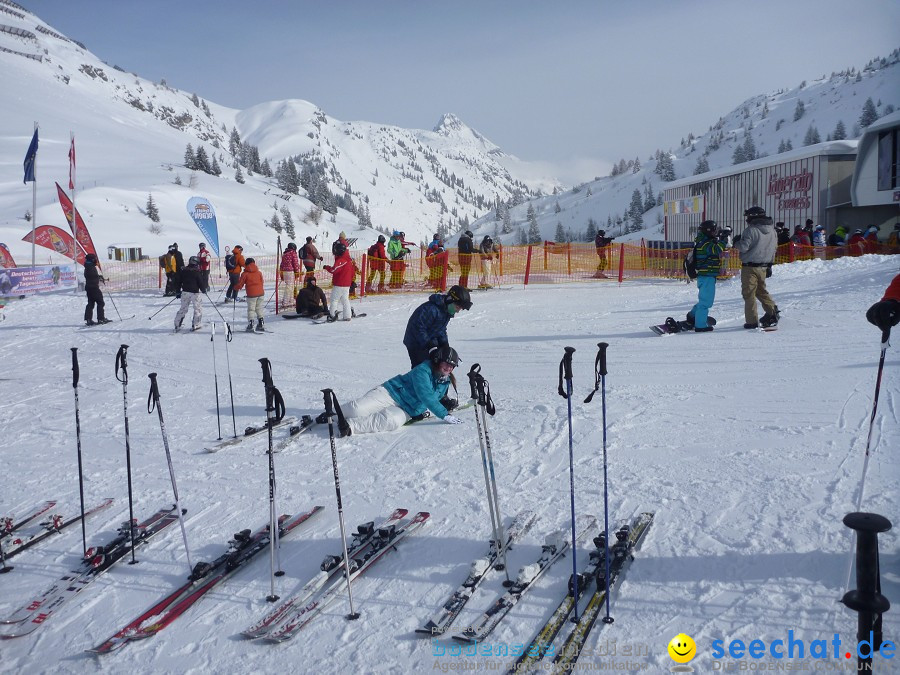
{"x":450,"y":124}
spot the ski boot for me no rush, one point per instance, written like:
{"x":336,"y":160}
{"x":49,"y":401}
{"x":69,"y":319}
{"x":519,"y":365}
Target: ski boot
{"x":249,"y":328}
{"x":260,"y":326}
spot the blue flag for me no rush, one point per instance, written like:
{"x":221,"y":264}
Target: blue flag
{"x":203,"y":213}
{"x":30,"y":158}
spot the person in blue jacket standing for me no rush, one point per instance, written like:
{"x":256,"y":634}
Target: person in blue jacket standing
{"x":405,"y":397}
{"x":708,"y":256}
{"x":426,"y":329}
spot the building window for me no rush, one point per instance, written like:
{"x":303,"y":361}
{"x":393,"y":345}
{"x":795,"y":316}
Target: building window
{"x":888,"y":152}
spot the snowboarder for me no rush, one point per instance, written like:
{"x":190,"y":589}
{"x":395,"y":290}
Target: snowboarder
{"x":426,"y":329}
{"x":377,"y":260}
{"x":708,"y":257}
{"x":757,"y":250}
{"x":252,"y":278}
{"x":311,"y":300}
{"x":290,"y":275}
{"x":342,"y":273}
{"x":466,"y":251}
{"x":601,"y":243}
{"x":403,"y":398}
{"x":92,"y":279}
{"x":886,"y":312}
{"x":204,"y":257}
{"x":234,"y":265}
{"x":191,"y":288}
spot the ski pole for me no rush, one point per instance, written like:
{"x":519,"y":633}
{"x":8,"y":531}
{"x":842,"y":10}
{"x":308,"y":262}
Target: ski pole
{"x":114,"y":307}
{"x":216,"y":378}
{"x":885,"y":343}
{"x":272,"y":399}
{"x":565,"y":373}
{"x":214,"y":306}
{"x":331,"y":405}
{"x":122,"y":366}
{"x":228,"y":337}
{"x":478,"y":392}
{"x":600,"y":373}
{"x":153,"y":403}
{"x":161,"y":308}
{"x":78,"y":444}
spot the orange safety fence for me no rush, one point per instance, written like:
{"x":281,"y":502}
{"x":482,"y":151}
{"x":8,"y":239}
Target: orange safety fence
{"x":547,"y":263}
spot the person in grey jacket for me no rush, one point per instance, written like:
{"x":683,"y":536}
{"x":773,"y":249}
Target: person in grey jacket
{"x":756,"y":247}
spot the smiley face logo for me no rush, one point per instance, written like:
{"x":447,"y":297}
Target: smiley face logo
{"x":682,"y":648}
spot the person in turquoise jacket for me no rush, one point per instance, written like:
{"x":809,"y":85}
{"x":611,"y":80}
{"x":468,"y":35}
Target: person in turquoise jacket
{"x":708,"y":256}
{"x":405,"y":397}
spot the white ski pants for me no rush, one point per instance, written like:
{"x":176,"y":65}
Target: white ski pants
{"x":187,"y":299}
{"x":340,"y":301}
{"x":375,"y":411}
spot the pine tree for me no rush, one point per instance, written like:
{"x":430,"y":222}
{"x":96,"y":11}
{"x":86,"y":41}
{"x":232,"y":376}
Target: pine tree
{"x":534,"y":231}
{"x":781,"y":146}
{"x":560,"y":236}
{"x":799,"y":110}
{"x":738,"y":156}
{"x":288,"y":221}
{"x":195,"y":100}
{"x":869,"y":113}
{"x":812,"y":136}
{"x":665,"y":167}
{"x":749,"y":148}
{"x":202,"y":160}
{"x":788,"y":145}
{"x":152,"y":211}
{"x":702,"y":165}
{"x":216,"y":170}
{"x":840,"y":133}
{"x":636,"y":209}
{"x":522,"y":238}
{"x":649,"y":198}
{"x":238,"y":175}
{"x":275,"y":223}
{"x":557,"y":208}
{"x":637,"y":165}
{"x":190,"y":159}
{"x":591,"y":233}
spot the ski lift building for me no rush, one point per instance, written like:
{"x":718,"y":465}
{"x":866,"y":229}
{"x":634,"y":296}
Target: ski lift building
{"x":125,"y":252}
{"x":876,"y":181}
{"x":811,"y":182}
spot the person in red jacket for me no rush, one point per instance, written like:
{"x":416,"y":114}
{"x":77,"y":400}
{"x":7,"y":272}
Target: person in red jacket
{"x":290,"y":275}
{"x":872,"y":243}
{"x":342,"y":273}
{"x":252,"y":278}
{"x":377,"y":262}
{"x":886,"y":312}
{"x":856,"y":245}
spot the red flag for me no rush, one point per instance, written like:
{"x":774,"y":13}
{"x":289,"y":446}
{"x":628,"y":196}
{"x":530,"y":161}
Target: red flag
{"x":56,"y":239}
{"x":84,"y":237}
{"x":6,"y":259}
{"x":72,"y":164}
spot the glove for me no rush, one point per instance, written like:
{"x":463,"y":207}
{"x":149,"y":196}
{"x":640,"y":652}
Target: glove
{"x":884,"y":314}
{"x":327,"y":268}
{"x":449,"y":403}
{"x":450,"y":419}
{"x":768,"y":271}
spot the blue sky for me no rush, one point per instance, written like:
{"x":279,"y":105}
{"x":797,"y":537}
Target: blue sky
{"x":577,"y":84}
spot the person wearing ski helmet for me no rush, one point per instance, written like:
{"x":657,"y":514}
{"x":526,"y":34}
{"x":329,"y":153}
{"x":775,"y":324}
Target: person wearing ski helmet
{"x":205,"y":258}
{"x":342,"y":273}
{"x":377,"y":262}
{"x":411,"y":396}
{"x":757,"y":250}
{"x":466,"y":251}
{"x":191,"y":288}
{"x":426,"y":329}
{"x":234,"y":265}
{"x":290,"y":275}
{"x":309,"y":254}
{"x":708,"y":258}
{"x":92,"y":279}
{"x":602,"y":243}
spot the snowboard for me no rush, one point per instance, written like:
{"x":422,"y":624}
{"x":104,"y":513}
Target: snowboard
{"x":355,"y":316}
{"x":671,"y":326}
{"x":288,"y":315}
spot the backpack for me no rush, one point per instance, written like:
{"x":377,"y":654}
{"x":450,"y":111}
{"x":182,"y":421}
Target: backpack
{"x":690,"y":264}
{"x":373,"y":250}
{"x":230,"y":262}
{"x":302,"y":252}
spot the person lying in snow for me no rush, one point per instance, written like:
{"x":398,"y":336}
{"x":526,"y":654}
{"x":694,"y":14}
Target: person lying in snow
{"x":405,"y":397}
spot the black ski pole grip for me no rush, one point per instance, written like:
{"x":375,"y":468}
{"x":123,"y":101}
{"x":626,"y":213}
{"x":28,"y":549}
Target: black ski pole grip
{"x":473,"y":375}
{"x":329,"y":408}
{"x":154,"y":393}
{"x":601,"y":357}
{"x":267,"y":372}
{"x":565,"y":370}
{"x":122,"y":364}
{"x":74,"y":367}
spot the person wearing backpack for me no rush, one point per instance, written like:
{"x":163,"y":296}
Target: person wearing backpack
{"x":234,"y":265}
{"x":252,"y":278}
{"x":308,"y":256}
{"x":707,"y":252}
{"x":377,"y":261}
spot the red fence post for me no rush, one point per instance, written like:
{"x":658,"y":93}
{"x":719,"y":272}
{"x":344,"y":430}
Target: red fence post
{"x":528,"y":264}
{"x":621,"y":262}
{"x":362,"y":276}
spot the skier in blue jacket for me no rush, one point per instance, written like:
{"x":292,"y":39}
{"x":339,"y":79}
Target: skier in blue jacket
{"x":426,"y":329}
{"x":404,"y":397}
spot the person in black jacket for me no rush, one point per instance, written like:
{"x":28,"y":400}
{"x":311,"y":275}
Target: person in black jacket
{"x":179,"y":267}
{"x":311,"y":300}
{"x":191,"y":285}
{"x":92,"y":279}
{"x":426,"y":329}
{"x":466,"y":253}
